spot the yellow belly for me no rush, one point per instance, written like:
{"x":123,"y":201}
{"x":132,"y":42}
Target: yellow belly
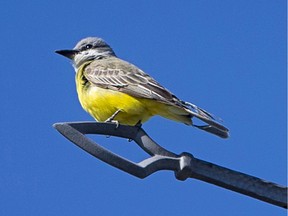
{"x":103,"y":103}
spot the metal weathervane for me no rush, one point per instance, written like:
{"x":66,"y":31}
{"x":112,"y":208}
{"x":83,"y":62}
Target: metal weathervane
{"x":184,"y":165}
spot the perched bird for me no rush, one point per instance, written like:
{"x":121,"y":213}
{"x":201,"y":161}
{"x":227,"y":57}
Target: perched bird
{"x":113,"y":90}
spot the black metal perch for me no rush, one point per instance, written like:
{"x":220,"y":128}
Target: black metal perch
{"x":184,"y":165}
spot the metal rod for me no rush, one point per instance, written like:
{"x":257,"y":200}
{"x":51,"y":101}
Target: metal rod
{"x":184,"y":165}
{"x":236,"y":181}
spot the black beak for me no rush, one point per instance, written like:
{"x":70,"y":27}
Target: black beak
{"x":67,"y":53}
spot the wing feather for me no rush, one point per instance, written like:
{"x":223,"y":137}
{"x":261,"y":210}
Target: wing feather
{"x":122,"y":76}
{"x":116,"y":74}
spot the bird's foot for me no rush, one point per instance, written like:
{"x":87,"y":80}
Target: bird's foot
{"x":113,"y":121}
{"x":138,"y":124}
{"x":111,"y":118}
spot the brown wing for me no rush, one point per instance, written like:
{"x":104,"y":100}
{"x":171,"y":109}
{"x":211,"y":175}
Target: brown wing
{"x":116,"y":74}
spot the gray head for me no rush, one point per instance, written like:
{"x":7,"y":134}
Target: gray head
{"x":89,"y":48}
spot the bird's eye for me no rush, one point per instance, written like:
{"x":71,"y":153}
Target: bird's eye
{"x":88,"y":46}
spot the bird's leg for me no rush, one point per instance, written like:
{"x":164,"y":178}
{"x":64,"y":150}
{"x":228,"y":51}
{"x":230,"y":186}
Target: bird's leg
{"x":138,"y":124}
{"x":111,"y":118}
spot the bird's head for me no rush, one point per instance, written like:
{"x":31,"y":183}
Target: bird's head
{"x":87,"y":49}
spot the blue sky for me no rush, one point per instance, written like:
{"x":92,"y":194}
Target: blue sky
{"x":228,"y":57}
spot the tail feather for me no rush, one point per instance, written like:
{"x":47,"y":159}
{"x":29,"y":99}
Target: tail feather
{"x":213,"y":126}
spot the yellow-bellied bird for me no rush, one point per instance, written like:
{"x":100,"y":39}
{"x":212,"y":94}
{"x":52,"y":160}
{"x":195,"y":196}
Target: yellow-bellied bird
{"x":111,"y":89}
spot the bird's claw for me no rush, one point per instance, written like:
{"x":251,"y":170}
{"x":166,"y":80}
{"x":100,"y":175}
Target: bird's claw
{"x":111,"y":118}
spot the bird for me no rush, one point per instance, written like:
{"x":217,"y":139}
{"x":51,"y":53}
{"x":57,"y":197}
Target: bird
{"x":113,"y":90}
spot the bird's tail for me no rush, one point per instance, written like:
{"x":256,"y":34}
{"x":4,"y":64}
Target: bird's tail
{"x":212,"y":125}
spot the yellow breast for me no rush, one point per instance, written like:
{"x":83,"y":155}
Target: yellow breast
{"x":103,"y":103}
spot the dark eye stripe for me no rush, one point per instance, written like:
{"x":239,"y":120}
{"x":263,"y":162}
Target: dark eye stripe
{"x":87,"y":46}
